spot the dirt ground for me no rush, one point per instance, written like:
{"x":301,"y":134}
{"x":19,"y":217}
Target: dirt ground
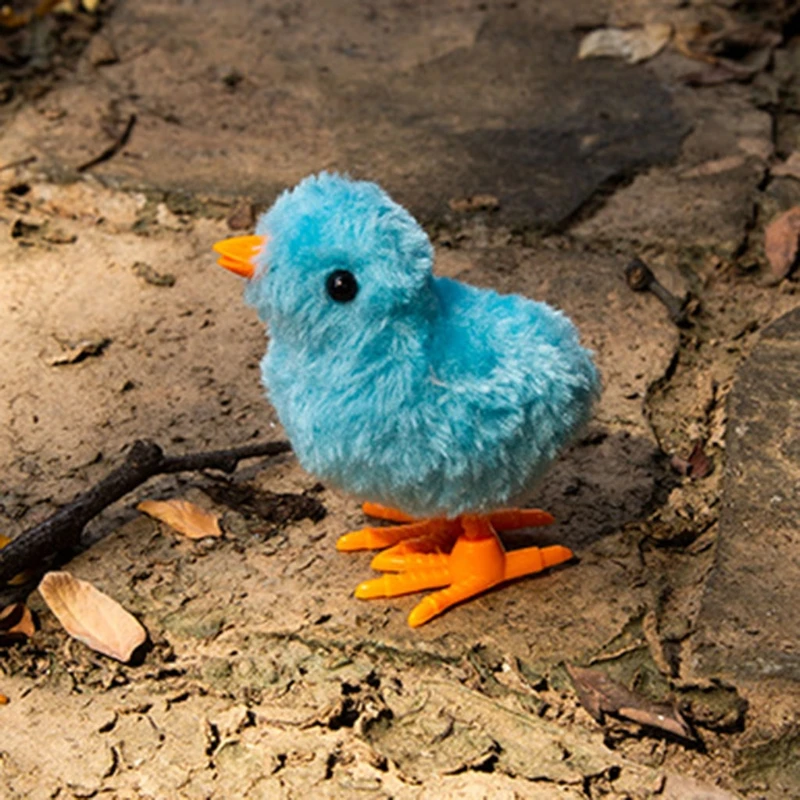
{"x":264,"y":676}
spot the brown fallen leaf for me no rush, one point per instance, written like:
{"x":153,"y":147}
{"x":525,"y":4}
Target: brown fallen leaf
{"x":700,"y":464}
{"x":781,"y":240}
{"x":16,"y":623}
{"x":759,"y":147}
{"x":92,"y":617}
{"x":599,"y":694}
{"x":183,"y":516}
{"x":9,"y":19}
{"x":631,"y":44}
{"x":732,"y":50}
{"x":789,"y":169}
{"x":715,"y":167}
{"x":697,"y":465}
{"x":81,"y":351}
{"x":681,"y":465}
{"x":670,"y":721}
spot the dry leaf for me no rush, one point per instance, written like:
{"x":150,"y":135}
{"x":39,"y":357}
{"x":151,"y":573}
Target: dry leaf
{"x":183,"y":516}
{"x":16,"y":623}
{"x":632,"y":44}
{"x":697,"y":465}
{"x":91,"y":616}
{"x":733,"y":51}
{"x":789,"y":169}
{"x":781,"y":240}
{"x":680,"y":464}
{"x":589,"y":694}
{"x":715,"y":167}
{"x":82,"y":350}
{"x":3,"y":700}
{"x":728,"y":40}
{"x":670,"y":720}
{"x":700,"y":464}
{"x":10,"y":19}
{"x":598,"y":694}
{"x":757,"y":146}
{"x":66,"y":7}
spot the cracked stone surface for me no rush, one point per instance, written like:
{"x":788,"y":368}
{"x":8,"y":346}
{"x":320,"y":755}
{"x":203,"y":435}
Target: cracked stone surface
{"x":283,"y":90}
{"x":751,"y":600}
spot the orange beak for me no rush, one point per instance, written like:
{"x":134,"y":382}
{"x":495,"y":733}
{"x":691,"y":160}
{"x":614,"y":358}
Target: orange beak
{"x":238,"y":254}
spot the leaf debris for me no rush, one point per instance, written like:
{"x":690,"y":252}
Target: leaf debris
{"x":600,"y":695}
{"x":697,"y":465}
{"x":631,"y":44}
{"x":16,"y":622}
{"x":789,"y":168}
{"x":184,"y":517}
{"x":781,"y":241}
{"x":92,"y":617}
{"x":86,"y":348}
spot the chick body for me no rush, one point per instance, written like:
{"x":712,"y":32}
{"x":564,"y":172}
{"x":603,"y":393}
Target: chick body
{"x":420,"y":393}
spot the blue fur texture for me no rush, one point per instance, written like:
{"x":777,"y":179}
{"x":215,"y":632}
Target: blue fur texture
{"x":421,"y":393}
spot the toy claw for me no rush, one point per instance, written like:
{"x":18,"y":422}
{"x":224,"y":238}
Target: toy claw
{"x":464,"y":555}
{"x":376,"y":538}
{"x":439,"y":530}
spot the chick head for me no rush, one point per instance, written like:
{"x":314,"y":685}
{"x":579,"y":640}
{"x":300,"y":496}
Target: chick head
{"x":341,"y":261}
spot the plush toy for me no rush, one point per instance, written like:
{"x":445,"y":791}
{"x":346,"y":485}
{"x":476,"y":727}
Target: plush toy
{"x":409,"y":391}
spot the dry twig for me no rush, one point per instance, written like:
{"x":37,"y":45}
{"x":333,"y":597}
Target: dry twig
{"x":145,"y":460}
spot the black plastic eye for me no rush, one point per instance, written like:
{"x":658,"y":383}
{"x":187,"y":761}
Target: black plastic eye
{"x":342,"y":286}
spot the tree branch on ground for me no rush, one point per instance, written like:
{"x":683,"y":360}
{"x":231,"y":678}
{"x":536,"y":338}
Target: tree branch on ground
{"x":145,"y":460}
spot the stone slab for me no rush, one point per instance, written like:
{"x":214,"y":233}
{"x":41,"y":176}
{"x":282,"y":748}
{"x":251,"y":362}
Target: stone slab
{"x":750,"y":616}
{"x":436,"y":105}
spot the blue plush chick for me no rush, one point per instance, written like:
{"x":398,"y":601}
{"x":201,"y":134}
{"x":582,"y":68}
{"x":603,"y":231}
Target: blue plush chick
{"x":437,"y":402}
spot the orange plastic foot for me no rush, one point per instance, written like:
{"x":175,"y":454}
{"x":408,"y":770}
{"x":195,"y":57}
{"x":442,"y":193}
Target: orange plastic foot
{"x":476,"y":562}
{"x":438,"y":532}
{"x":376,"y":538}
